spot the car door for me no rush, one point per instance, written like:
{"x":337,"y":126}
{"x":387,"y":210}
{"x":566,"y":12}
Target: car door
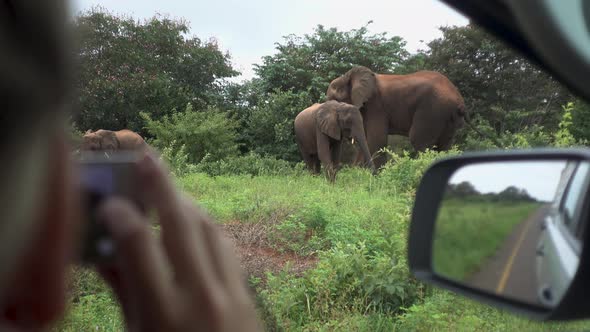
{"x":559,"y":245}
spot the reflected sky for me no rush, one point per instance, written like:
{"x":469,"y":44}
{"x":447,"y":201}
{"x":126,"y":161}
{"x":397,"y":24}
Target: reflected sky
{"x":538,"y":178}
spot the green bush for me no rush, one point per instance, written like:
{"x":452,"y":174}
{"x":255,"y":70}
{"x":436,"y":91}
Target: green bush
{"x":202,"y":133}
{"x":564,"y":137}
{"x":177,"y":159}
{"x":580,"y":124}
{"x":347,"y":279}
{"x":250,"y":164}
{"x":269,"y":127}
{"x":527,"y":137}
{"x":403,"y":173}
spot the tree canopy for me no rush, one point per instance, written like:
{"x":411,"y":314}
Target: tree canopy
{"x":310,"y":62}
{"x":498,"y":84}
{"x":126,"y":67}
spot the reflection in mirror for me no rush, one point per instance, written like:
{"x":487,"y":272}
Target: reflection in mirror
{"x":512,"y":228}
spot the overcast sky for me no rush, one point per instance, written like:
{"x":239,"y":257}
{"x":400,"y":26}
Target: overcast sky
{"x":249,"y":29}
{"x":538,"y":178}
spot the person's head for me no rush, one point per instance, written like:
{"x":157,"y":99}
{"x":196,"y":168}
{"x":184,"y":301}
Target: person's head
{"x":35,"y":205}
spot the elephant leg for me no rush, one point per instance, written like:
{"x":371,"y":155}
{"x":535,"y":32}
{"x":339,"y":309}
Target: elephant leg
{"x":427,"y":128}
{"x":325,"y":155}
{"x":336,"y":150}
{"x":376,"y":129}
{"x":317,"y":166}
{"x":446,"y":138}
{"x":310,"y":162}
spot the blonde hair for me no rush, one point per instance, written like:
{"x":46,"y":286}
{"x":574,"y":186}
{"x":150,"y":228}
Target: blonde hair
{"x":34,"y":83}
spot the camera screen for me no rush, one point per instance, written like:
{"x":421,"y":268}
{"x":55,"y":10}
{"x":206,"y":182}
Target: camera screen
{"x":98,"y":179}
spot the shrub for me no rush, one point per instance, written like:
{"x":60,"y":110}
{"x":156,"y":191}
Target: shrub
{"x":402,"y":173}
{"x":580,"y":125}
{"x":250,"y":164}
{"x":203,"y":133}
{"x":269,"y":128}
{"x":178,"y":159}
{"x":347,"y":279}
{"x":564,"y":137}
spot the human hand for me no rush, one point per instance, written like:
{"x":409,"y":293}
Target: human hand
{"x":188,"y":281}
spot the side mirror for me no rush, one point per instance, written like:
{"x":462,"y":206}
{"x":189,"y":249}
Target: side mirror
{"x":508,"y":229}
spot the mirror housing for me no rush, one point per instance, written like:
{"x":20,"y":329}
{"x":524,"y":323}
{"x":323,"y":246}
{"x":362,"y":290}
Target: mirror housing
{"x":429,"y":196}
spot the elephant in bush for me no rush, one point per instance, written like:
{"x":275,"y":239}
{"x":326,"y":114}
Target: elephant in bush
{"x":424,"y":106}
{"x":319,"y":131}
{"x":107,"y":140}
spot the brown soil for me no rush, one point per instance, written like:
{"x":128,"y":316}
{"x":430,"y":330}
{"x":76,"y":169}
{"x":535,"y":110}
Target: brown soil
{"x":256,"y":254}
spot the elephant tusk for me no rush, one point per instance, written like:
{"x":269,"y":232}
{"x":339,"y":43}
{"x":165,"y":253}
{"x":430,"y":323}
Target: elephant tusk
{"x":352,"y":140}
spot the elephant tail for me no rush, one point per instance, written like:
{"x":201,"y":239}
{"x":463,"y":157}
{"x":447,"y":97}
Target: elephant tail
{"x":462,"y":112}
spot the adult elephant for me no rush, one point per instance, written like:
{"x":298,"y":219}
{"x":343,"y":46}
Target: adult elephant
{"x":320,"y":130}
{"x":108,"y":140}
{"x":424,"y":106}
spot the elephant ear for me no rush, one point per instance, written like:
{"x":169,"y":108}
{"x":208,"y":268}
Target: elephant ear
{"x":363,"y":85}
{"x":107,"y":135}
{"x":327,"y":120}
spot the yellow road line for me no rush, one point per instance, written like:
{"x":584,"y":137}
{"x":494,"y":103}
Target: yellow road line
{"x":508,"y":267}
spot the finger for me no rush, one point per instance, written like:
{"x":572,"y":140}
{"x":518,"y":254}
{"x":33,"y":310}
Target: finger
{"x":182,"y":239}
{"x":223,"y":256}
{"x":112,"y":276}
{"x":142,"y":267}
{"x":227,"y":265}
{"x":211,"y":239}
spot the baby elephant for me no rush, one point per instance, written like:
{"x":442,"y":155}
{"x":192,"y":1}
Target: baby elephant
{"x":319,"y":130}
{"x":107,"y":140}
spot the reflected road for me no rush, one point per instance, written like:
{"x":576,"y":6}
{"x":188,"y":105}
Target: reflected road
{"x":511,"y":270}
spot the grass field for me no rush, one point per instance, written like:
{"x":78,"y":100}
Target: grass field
{"x":468,"y":232}
{"x":327,"y":257}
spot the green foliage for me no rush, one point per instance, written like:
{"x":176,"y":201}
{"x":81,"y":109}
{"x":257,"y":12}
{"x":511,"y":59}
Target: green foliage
{"x":347,"y":279}
{"x":178,"y":159}
{"x":127,"y":66}
{"x":310,"y":62}
{"x":527,"y":137}
{"x":580,"y":121}
{"x":444,"y":311}
{"x":74,"y":135}
{"x":402,"y":174}
{"x":497,"y":83}
{"x":564,"y":137}
{"x":249,"y":164}
{"x":269,"y":126}
{"x":204,"y":133}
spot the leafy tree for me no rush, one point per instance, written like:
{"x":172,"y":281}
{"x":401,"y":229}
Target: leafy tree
{"x":580,"y":120}
{"x":499,"y":86}
{"x":310,"y":62}
{"x":269,"y":125}
{"x":513,"y":193}
{"x":195,"y":134}
{"x":461,"y":190}
{"x":127,"y":67}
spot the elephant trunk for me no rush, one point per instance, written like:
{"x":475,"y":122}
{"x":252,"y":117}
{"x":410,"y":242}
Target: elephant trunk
{"x":360,"y":139}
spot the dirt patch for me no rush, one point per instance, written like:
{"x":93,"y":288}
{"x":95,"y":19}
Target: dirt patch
{"x":256,"y":254}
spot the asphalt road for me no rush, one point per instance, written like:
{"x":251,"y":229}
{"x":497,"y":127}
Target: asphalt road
{"x":511,"y":270}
